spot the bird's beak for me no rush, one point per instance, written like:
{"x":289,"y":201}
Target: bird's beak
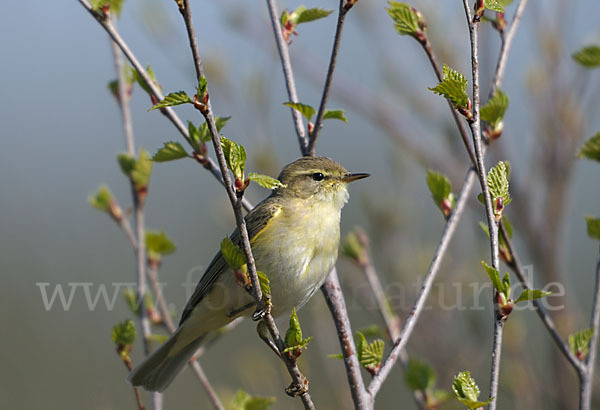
{"x":354,"y":176}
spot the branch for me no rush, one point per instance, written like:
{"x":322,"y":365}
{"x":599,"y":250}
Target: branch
{"x":335,"y":302}
{"x":419,"y":304}
{"x":299,"y":381}
{"x":587,"y":376}
{"x":345,"y":6}
{"x":207,"y":162}
{"x":284,"y":56}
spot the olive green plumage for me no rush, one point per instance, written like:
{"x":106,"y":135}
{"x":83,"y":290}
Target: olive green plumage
{"x":294,"y":235}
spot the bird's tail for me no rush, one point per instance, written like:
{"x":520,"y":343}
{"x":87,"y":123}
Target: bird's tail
{"x":159,"y":369}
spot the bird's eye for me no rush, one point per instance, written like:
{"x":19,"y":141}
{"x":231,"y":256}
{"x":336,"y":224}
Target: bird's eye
{"x":317,"y":176}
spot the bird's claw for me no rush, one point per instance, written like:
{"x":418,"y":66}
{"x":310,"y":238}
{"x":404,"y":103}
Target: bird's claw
{"x":261,"y":311}
{"x":296,"y":389}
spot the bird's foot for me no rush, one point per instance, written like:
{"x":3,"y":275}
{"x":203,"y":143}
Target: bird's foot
{"x":297,"y":389}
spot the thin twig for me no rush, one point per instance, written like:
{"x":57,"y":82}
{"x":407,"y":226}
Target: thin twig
{"x":236,"y":201}
{"x":343,"y":10}
{"x":412,"y":318}
{"x":207,"y":162}
{"x":335,"y":301}
{"x":587,"y":376}
{"x":288,"y":74}
{"x":475,"y":126}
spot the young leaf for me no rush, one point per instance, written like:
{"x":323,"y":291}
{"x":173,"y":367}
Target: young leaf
{"x":132,"y":300}
{"x":493,"y":111}
{"x":115,"y":6}
{"x":312,"y":15}
{"x":419,"y":375}
{"x":580,"y":342}
{"x":588,"y":57}
{"x":292,"y":17}
{"x":453,"y":87}
{"x":202,"y":87}
{"x":467,"y":391}
{"x":102,"y":200}
{"x":499,"y":284}
{"x":265,"y":181}
{"x":441,"y":191}
{"x":170,"y":152}
{"x":498,"y":182}
{"x":123,"y":333}
{"x":493,"y":5}
{"x":303,"y":109}
{"x":173,"y":99}
{"x":293,"y":336}
{"x":235,"y":155}
{"x":232,"y":254}
{"x":406,"y":19}
{"x":335,"y":115}
{"x":532,"y":294}
{"x":158,"y":244}
{"x":593,"y":227}
{"x":265,"y":283}
{"x":244,"y":401}
{"x":369,"y":355}
{"x":138,"y":79}
{"x":138,"y":170}
{"x":352,"y":248}
{"x":591,"y":148}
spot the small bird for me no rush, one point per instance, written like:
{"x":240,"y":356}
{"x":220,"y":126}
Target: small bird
{"x":294,"y":235}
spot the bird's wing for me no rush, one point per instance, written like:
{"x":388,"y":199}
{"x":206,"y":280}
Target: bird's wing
{"x":256,"y":221}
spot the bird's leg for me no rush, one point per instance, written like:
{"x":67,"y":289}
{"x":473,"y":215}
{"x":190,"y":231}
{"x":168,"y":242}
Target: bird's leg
{"x":235,"y":312}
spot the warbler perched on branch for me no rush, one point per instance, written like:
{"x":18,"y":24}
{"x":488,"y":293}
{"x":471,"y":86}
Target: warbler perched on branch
{"x":294,"y":235}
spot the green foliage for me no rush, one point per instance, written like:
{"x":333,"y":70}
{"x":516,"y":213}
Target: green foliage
{"x":509,"y":230}
{"x":303,"y":109}
{"x":131,"y":298}
{"x":593,"y":227}
{"x":158,"y":244}
{"x":371,"y":331}
{"x":172,"y":99}
{"x":369,"y":354}
{"x":265,"y":181}
{"x":265,"y":284}
{"x":493,"y":111}
{"x":467,"y":391}
{"x":115,"y":6}
{"x":406,"y":19}
{"x":501,"y":285}
{"x":441,"y":191}
{"x":498,"y":181}
{"x":235,"y":155}
{"x":170,"y":152}
{"x":591,"y":148}
{"x":138,"y":170}
{"x":293,"y":336}
{"x":123,"y":333}
{"x":580,"y":342}
{"x":453,"y":87}
{"x":532,"y":294}
{"x":352,"y":247}
{"x":202,"y":134}
{"x":303,"y":15}
{"x":244,"y":401}
{"x":588,"y":57}
{"x":494,"y":5}
{"x":419,"y":375}
{"x":335,"y":115}
{"x":233,"y":254}
{"x":138,"y":79}
{"x":202,"y":87}
{"x":102,"y":200}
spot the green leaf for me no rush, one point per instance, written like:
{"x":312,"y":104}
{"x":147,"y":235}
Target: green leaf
{"x":303,"y":109}
{"x":532,"y":294}
{"x":293,"y":16}
{"x":591,"y":148}
{"x":312,"y":15}
{"x":158,"y":244}
{"x":172,"y":99}
{"x":352,"y":247}
{"x":138,"y":79}
{"x":406,"y":19}
{"x":115,"y":6}
{"x":499,"y":284}
{"x":244,"y":401}
{"x":233,"y":254}
{"x":202,"y":87}
{"x":593,"y":227}
{"x":293,"y":336}
{"x":235,"y":155}
{"x":493,"y":111}
{"x":498,"y":182}
{"x":265,"y":283}
{"x":493,"y":5}
{"x":123,"y":333}
{"x":484,"y":227}
{"x":441,"y":190}
{"x":138,"y":170}
{"x":158,"y":338}
{"x":588,"y":57}
{"x":265,"y":181}
{"x":453,"y":87}
{"x":202,"y":134}
{"x":335,"y":115}
{"x":170,"y":152}
{"x":102,"y":200}
{"x":580,"y":342}
{"x":132,"y":300}
{"x":467,"y":391}
{"x":369,"y":355}
{"x":419,"y":375}
{"x":372,"y":331}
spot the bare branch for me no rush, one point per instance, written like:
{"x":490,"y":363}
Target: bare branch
{"x":284,"y":56}
{"x":419,"y":304}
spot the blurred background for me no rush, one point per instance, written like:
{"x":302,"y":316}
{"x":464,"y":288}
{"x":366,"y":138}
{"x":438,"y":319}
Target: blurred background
{"x":61,"y":132}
